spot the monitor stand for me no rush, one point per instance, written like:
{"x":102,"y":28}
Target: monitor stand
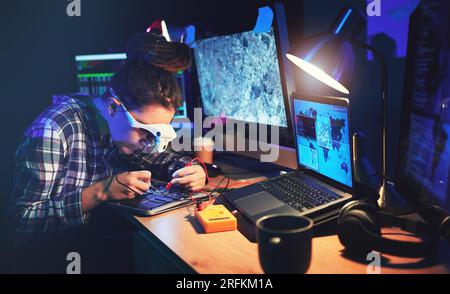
{"x":238,"y":167}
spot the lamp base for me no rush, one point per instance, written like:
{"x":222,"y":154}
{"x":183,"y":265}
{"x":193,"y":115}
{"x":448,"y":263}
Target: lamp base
{"x":391,"y":202}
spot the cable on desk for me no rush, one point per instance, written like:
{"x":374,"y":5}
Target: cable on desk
{"x":216,"y":189}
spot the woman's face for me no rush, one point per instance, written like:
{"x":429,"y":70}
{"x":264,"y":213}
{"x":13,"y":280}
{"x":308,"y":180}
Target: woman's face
{"x":129,"y":139}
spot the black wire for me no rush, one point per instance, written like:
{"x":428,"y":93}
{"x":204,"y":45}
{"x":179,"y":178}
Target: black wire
{"x":117,"y":180}
{"x":226,"y":187}
{"x":216,"y":188}
{"x":220,"y":190}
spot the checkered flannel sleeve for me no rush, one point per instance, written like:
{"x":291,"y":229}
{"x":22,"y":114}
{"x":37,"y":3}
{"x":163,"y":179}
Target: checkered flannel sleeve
{"x":39,"y":202}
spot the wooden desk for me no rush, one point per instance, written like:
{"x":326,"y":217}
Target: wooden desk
{"x":177,"y":238}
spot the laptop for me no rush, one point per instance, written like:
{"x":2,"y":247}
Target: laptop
{"x":324,"y":179}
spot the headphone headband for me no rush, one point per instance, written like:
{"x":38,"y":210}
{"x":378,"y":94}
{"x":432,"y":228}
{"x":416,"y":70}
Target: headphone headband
{"x":415,"y":227}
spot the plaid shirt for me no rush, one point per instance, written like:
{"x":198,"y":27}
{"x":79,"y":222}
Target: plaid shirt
{"x":61,"y":153}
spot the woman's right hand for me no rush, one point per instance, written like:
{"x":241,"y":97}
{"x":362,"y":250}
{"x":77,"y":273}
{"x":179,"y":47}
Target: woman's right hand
{"x":122,"y":186}
{"x":127,"y":185}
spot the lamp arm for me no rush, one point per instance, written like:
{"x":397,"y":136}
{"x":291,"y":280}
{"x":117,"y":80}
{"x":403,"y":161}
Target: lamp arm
{"x":384,"y":85}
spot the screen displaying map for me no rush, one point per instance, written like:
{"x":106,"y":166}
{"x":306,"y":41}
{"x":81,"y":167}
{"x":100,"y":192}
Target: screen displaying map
{"x":323,"y":139}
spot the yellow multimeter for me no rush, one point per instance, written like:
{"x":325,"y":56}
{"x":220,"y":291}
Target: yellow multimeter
{"x":216,"y":218}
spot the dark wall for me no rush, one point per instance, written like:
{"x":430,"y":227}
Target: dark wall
{"x":39,"y":41}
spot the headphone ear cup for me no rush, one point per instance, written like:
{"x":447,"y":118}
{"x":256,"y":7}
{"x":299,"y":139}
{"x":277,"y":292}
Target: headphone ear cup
{"x":346,"y":208}
{"x":356,"y":231}
{"x":371,"y":210}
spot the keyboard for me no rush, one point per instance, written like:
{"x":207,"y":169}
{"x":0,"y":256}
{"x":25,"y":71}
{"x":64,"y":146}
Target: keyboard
{"x":299,"y":193}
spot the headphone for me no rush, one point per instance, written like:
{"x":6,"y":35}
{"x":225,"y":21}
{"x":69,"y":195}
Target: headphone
{"x":359,"y":231}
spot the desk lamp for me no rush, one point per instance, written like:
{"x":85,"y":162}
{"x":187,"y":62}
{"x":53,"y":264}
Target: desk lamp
{"x":329,"y":58}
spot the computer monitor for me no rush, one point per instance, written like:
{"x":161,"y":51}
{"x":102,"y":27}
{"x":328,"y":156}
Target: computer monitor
{"x":424,"y":149}
{"x":239,"y":78}
{"x":322,"y":127}
{"x":243,"y":77}
{"x":95,"y":72}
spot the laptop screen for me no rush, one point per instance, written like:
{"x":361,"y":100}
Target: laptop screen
{"x":323,"y":141}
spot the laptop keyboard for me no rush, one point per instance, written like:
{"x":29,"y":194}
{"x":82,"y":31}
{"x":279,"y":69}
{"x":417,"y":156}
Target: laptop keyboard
{"x":298,"y":193}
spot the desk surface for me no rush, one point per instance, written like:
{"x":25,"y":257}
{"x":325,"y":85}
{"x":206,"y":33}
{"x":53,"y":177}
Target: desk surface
{"x":232,"y":253}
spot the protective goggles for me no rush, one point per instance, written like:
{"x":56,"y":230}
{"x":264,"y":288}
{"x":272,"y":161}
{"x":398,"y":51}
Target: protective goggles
{"x":163,"y":133}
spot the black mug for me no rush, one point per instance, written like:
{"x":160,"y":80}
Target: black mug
{"x":284,"y":243}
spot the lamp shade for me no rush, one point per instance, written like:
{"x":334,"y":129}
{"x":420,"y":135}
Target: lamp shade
{"x":327,"y":57}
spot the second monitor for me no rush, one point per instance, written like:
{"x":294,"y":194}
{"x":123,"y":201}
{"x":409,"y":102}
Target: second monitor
{"x":95,"y":72}
{"x":245,"y":78}
{"x":239,"y":78}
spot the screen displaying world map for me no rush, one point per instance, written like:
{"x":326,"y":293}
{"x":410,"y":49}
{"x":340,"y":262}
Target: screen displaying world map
{"x":323,"y":139}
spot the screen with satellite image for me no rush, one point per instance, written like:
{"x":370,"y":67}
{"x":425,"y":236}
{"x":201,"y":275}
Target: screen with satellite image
{"x":323,"y":141}
{"x":239,"y":78}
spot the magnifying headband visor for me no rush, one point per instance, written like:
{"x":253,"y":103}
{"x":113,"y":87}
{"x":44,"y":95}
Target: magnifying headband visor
{"x":163,"y":133}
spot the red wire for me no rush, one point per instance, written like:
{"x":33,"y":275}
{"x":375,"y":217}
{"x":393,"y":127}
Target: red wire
{"x":190,"y":163}
{"x":169,"y":185}
{"x":202,"y":163}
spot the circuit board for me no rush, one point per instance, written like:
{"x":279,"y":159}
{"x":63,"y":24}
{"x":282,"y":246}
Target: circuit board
{"x":158,"y":194}
{"x":158,"y":200}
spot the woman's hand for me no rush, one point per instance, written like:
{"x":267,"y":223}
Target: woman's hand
{"x":192,"y":177}
{"x":122,"y":186}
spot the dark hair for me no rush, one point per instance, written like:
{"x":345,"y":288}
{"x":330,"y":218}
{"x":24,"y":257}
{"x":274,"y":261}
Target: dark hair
{"x":139,"y":84}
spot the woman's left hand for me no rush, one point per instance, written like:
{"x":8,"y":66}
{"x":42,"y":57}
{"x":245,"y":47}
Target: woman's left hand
{"x":192,"y":177}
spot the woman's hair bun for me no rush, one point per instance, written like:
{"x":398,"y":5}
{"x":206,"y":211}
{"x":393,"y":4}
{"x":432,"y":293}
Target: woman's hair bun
{"x":155,"y":50}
